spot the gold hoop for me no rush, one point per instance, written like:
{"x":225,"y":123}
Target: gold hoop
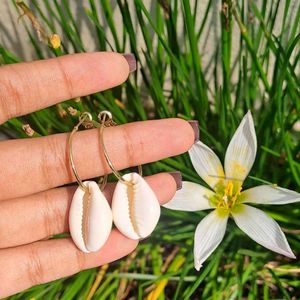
{"x":84,"y":119}
{"x":106,"y":120}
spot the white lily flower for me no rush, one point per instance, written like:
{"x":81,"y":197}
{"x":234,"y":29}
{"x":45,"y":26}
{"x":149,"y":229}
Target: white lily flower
{"x":227,"y":198}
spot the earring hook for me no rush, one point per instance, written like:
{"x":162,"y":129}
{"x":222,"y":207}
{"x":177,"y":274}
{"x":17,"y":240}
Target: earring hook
{"x":84,"y":119}
{"x":106,"y":120}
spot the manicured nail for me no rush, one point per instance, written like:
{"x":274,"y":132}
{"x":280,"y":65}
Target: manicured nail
{"x":178,"y":179}
{"x":131,"y":61}
{"x":195,"y":126}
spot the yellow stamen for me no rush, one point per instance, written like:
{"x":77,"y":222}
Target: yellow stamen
{"x":234,"y":198}
{"x":226,"y":197}
{"x":229,"y":189}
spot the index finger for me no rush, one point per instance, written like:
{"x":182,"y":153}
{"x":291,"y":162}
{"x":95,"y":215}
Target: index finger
{"x":27,"y":87}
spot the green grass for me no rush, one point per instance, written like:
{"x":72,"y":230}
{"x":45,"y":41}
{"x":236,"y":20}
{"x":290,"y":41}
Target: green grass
{"x":268,"y":84}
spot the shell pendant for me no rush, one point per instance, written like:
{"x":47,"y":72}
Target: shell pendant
{"x":90,"y":218}
{"x":135,"y":208}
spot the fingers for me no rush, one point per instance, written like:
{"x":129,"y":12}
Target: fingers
{"x":25,"y":266}
{"x":27,"y":87}
{"x":49,"y":260}
{"x":39,"y":164}
{"x":29,"y":219}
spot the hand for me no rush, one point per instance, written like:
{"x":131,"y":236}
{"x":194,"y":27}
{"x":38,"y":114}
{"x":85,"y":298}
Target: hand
{"x":32,"y":205}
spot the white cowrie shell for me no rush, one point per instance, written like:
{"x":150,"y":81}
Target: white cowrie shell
{"x":90,"y":218}
{"x":136,"y":209}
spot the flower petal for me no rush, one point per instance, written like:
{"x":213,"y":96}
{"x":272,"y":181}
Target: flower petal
{"x":262,"y":229}
{"x":268,"y":194}
{"x":209,"y":234}
{"x":207,"y":164}
{"x":191,"y":197}
{"x":240,"y":154}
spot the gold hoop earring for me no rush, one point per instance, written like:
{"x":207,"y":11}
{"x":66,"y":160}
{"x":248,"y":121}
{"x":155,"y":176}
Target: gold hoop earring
{"x":135,"y":207}
{"x":90,"y":216}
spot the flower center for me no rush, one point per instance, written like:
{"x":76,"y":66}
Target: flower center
{"x":226,"y":197}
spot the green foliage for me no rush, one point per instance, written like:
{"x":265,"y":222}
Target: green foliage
{"x":267,"y":84}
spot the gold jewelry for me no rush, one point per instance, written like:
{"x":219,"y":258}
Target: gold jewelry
{"x":135,"y":207}
{"x":90,"y":216}
{"x":84,"y":118}
{"x":106,"y":120}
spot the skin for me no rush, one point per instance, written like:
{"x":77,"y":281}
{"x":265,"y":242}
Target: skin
{"x":33,"y":203}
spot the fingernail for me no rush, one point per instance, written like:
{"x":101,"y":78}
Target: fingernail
{"x":131,"y":61}
{"x":178,"y":179}
{"x":195,"y":126}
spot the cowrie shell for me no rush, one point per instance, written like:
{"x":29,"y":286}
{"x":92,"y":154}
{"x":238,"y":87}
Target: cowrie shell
{"x":90,"y":218}
{"x":136,"y":209}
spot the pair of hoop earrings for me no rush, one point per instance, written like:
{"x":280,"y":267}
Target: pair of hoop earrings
{"x":135,"y":209}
